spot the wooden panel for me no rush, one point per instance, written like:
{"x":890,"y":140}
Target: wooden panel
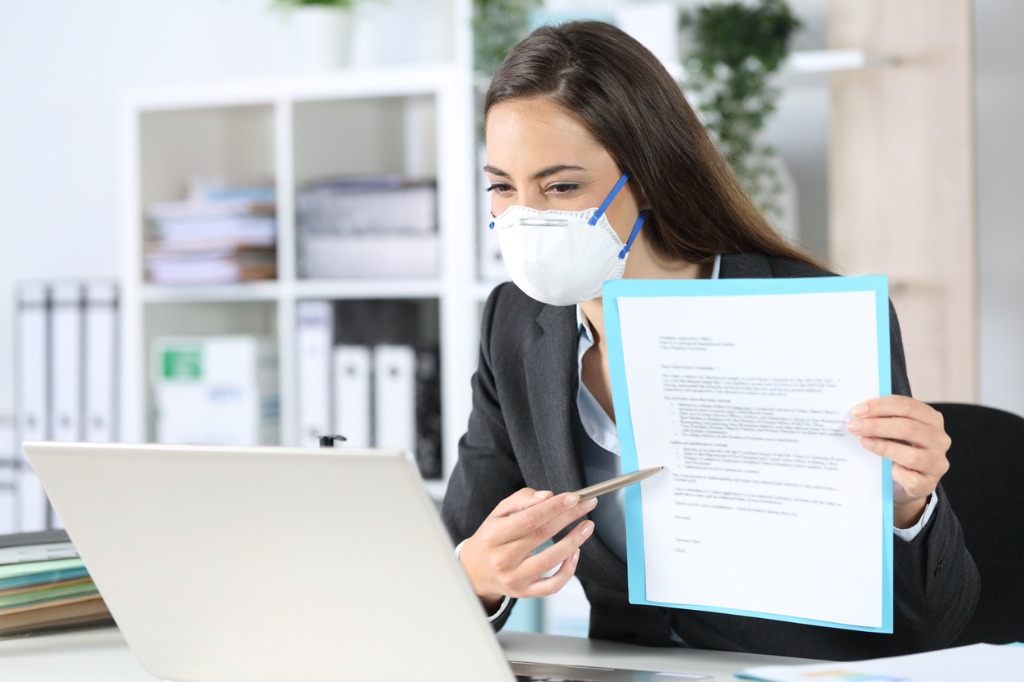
{"x":902,"y":187}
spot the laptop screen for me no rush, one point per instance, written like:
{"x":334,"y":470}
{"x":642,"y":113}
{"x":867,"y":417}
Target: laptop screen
{"x":270,"y":563}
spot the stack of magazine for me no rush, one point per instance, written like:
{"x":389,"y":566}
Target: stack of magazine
{"x":221,"y":233}
{"x":45,"y":586}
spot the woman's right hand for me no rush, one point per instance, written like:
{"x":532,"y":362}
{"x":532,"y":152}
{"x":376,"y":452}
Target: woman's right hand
{"x":499,"y":558}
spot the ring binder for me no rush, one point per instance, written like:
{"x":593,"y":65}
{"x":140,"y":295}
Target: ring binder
{"x":100,"y":352}
{"x":33,"y":398}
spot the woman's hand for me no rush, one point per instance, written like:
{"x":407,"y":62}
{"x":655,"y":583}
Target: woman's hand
{"x":911,"y":434}
{"x":499,"y":558}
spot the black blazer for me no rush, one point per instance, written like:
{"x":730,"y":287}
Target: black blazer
{"x":521,"y":434}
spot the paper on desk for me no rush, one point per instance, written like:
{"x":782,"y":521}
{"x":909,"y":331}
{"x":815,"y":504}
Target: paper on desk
{"x":742,"y":388}
{"x":977,"y":663}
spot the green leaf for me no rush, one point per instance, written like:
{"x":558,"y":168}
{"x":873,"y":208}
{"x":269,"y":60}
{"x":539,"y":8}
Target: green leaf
{"x":731,"y":50}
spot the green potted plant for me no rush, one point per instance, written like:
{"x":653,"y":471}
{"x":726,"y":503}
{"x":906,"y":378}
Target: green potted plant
{"x":497,"y":26}
{"x":731,"y":50}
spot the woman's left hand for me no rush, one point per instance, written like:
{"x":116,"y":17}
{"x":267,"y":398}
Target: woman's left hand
{"x":911,"y":434}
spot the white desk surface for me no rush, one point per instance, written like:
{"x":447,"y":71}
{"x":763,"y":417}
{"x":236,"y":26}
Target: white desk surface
{"x":720,"y":665}
{"x":101,"y":655}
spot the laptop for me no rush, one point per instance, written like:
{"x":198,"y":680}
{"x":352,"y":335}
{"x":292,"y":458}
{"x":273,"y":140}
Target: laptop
{"x":273,"y":563}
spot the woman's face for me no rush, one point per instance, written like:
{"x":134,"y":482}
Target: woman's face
{"x":539,"y":155}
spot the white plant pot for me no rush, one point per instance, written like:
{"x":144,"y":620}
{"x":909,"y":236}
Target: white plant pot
{"x":325,"y":34}
{"x":402,"y":32}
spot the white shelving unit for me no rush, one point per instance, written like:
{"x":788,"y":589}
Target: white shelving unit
{"x":812,"y":62}
{"x":827,"y":61}
{"x":416,"y":121}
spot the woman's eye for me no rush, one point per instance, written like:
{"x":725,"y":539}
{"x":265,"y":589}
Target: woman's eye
{"x":499,"y":188}
{"x":563,"y":188}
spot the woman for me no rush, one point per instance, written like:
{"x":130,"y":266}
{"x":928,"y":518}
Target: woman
{"x":582,"y":116}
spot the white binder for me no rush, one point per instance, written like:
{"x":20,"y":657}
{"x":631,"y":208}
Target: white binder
{"x":66,"y":360}
{"x":8,"y":483}
{"x":353,"y":374}
{"x":394,"y":371}
{"x":33,"y":391}
{"x":101,"y":371}
{"x":314,"y":340}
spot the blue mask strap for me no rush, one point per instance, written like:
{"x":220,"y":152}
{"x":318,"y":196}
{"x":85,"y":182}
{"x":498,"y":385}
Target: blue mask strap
{"x":608,"y":200}
{"x":632,"y":235}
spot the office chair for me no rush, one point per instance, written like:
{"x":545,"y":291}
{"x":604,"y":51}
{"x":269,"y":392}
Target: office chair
{"x":985,"y":485}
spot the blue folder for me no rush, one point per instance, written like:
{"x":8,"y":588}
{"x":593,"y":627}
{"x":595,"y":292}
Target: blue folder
{"x":614,"y":290}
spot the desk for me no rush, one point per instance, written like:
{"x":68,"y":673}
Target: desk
{"x":101,"y":655}
{"x":528,"y":646}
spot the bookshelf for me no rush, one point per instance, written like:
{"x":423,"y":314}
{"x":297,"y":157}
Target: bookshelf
{"x":413,"y":121}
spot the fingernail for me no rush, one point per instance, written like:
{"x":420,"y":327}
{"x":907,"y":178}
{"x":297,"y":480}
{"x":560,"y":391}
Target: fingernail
{"x":589,"y":504}
{"x":571,"y":500}
{"x":575,"y":556}
{"x":586,"y":527}
{"x":854,"y":426}
{"x":859,"y":410}
{"x":541,"y":493}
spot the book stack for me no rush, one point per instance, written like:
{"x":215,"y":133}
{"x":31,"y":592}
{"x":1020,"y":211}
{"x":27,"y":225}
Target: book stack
{"x":45,"y":586}
{"x":218,"y":235}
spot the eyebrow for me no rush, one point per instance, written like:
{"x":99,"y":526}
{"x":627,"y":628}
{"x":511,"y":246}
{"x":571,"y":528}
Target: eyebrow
{"x":542,"y":173}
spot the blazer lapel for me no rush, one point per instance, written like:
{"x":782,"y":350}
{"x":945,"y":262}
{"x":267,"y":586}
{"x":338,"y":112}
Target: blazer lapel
{"x":552,"y":375}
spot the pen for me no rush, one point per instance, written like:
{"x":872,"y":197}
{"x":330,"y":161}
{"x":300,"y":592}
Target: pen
{"x":616,"y":483}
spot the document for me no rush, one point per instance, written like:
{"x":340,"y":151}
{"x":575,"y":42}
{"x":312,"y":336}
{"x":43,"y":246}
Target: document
{"x":741,"y":389}
{"x":989,"y":662}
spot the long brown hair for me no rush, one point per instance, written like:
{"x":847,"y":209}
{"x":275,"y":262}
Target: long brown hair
{"x":636,"y":111}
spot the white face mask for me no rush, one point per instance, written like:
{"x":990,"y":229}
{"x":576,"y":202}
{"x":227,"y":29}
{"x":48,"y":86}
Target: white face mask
{"x":563,"y":257}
